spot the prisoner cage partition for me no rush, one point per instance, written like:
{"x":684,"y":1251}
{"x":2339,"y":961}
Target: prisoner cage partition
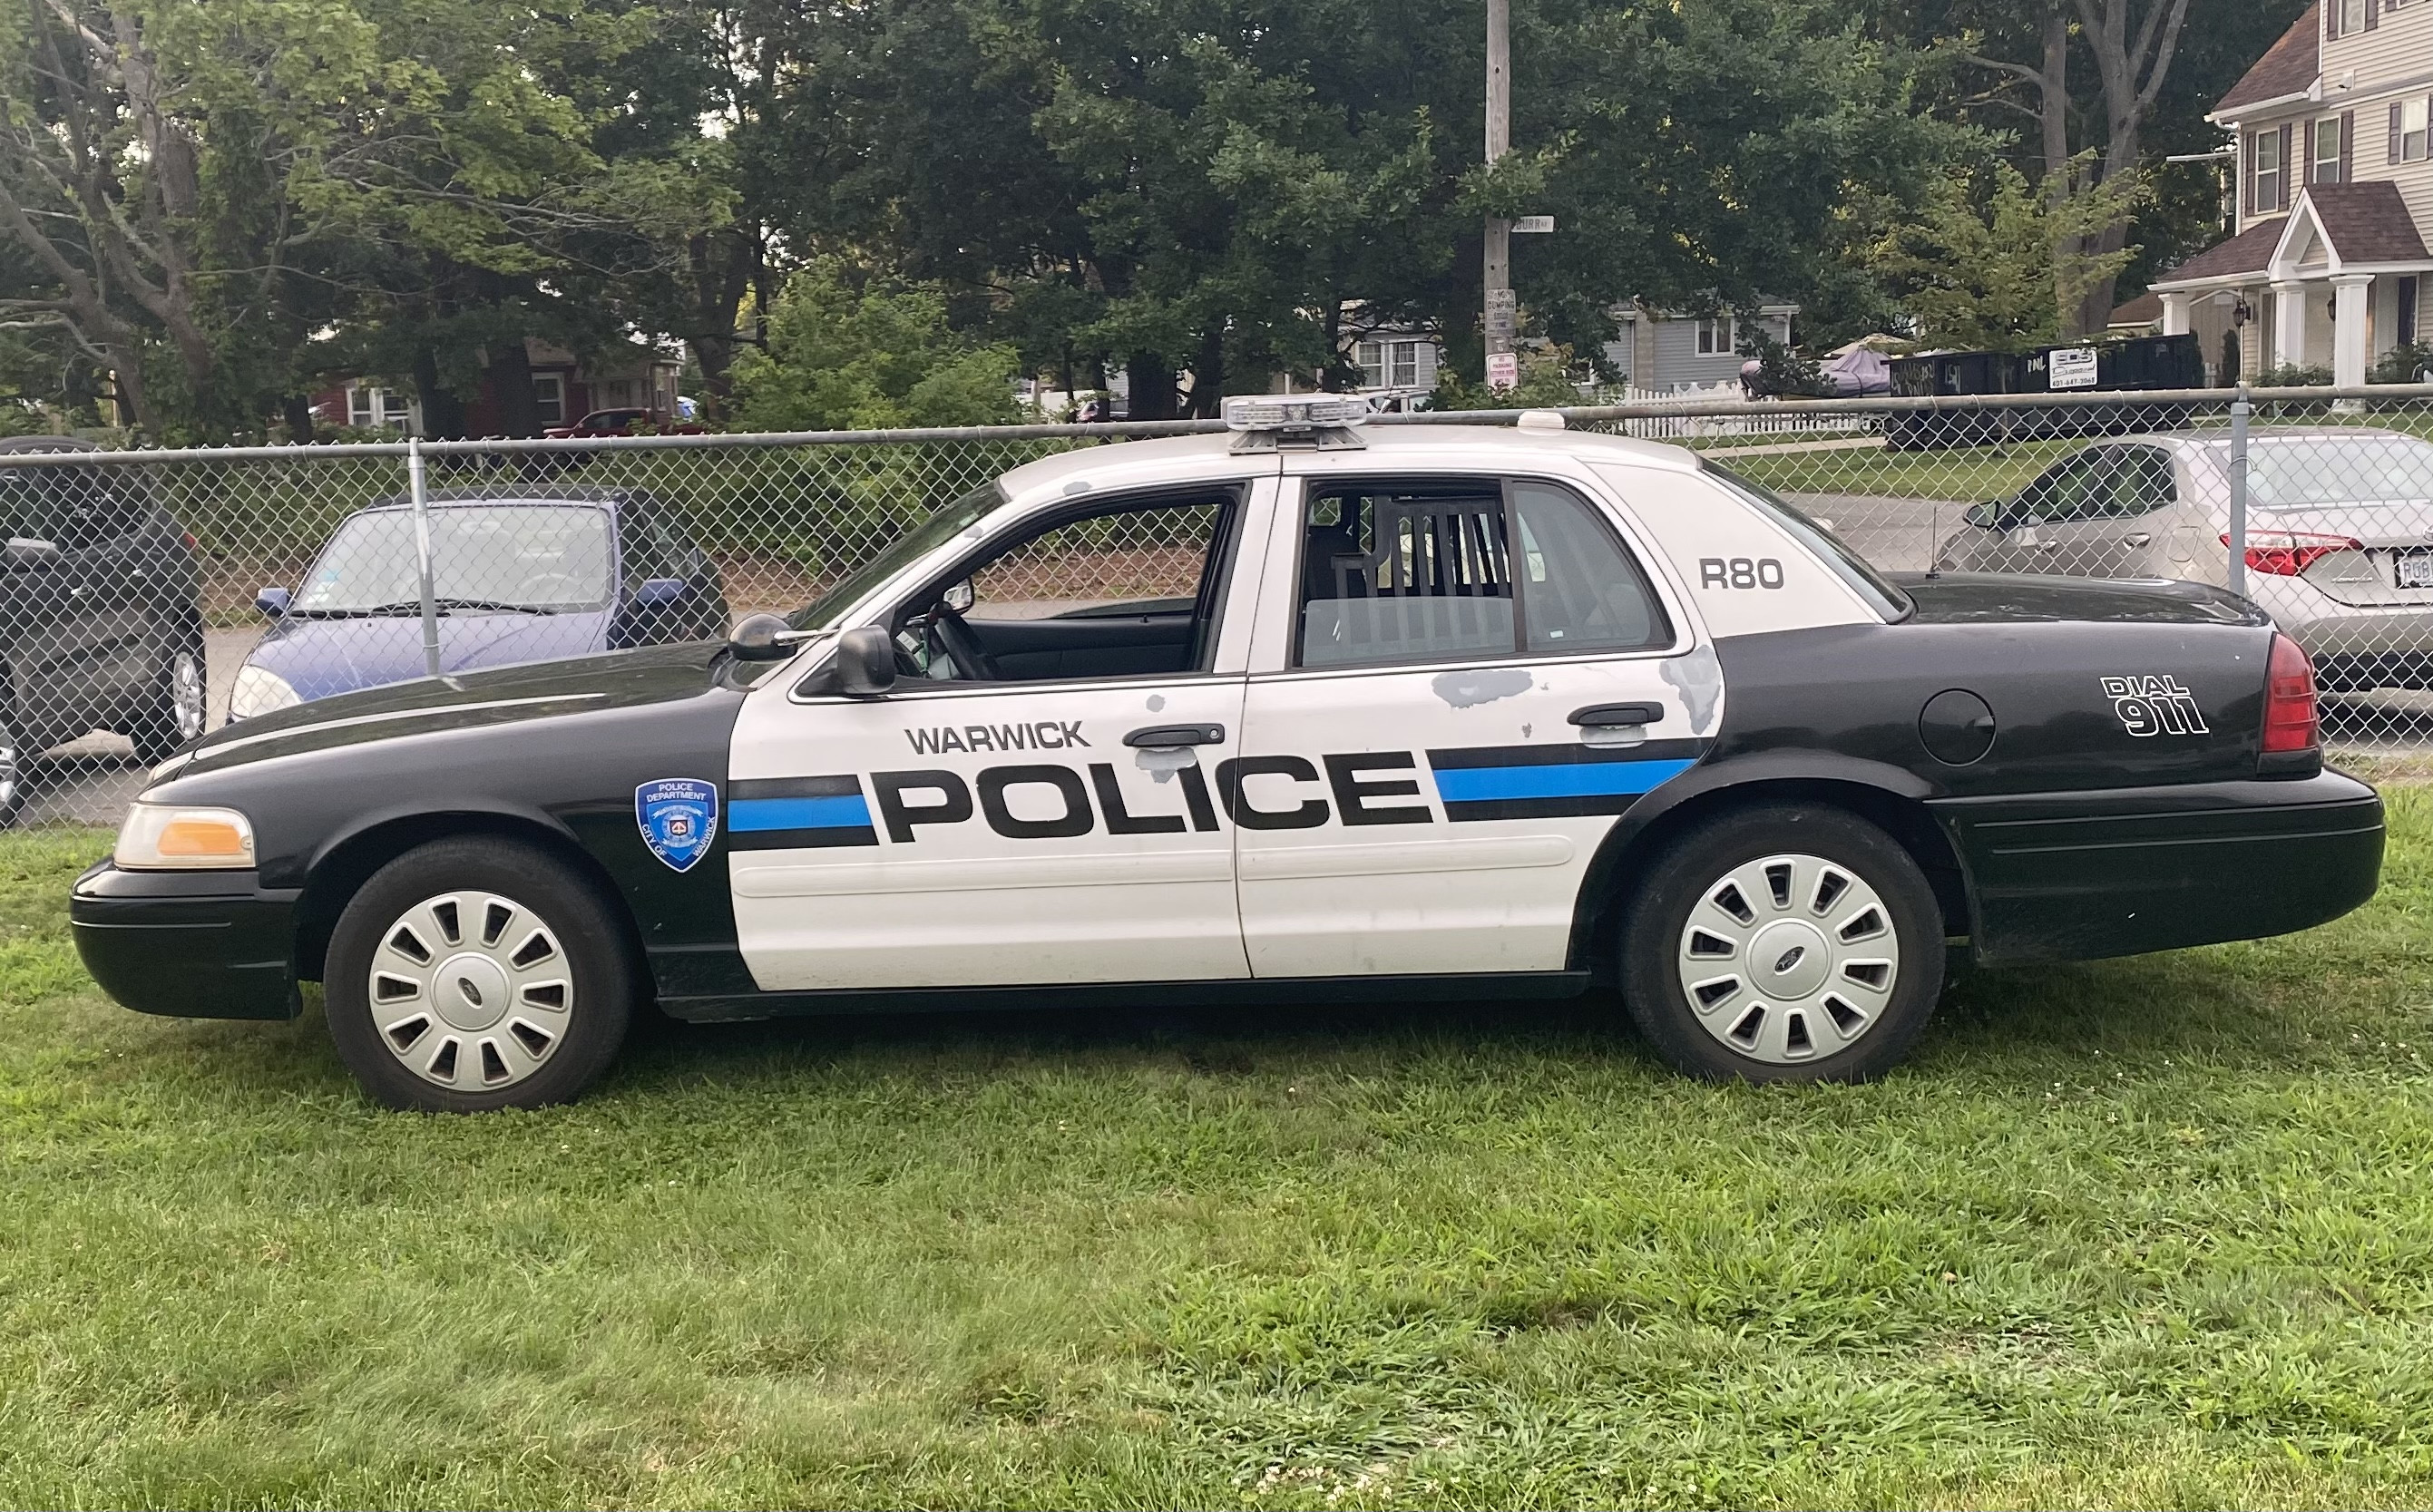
{"x":2328,"y":491}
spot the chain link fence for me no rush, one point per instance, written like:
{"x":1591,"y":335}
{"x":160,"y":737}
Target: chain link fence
{"x":148,"y":595}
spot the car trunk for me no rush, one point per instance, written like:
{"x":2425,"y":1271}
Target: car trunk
{"x":2392,"y":567}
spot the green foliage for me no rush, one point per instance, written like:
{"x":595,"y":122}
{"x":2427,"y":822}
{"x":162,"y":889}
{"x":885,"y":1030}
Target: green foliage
{"x":842,"y":355}
{"x":2293,"y":375}
{"x":1780,"y":372}
{"x":1978,"y":267}
{"x":2408,"y":362}
{"x":1549,"y":380}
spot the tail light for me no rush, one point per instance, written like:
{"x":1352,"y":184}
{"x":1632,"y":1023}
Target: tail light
{"x":2289,"y":698}
{"x":2289,"y":553}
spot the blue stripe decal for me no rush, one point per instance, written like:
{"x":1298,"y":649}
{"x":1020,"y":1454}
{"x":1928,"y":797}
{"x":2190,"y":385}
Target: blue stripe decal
{"x":799,"y":813}
{"x":1568,"y":780}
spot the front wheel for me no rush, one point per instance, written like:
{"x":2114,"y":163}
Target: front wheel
{"x":1783,"y":945}
{"x":14,"y":759}
{"x":176,"y":707}
{"x":475,"y":974}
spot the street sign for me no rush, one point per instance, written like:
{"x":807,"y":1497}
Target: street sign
{"x":1533,"y":225}
{"x":1503,"y":369}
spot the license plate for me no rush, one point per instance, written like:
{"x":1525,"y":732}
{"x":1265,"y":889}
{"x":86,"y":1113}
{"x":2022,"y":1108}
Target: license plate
{"x":2416,"y":570}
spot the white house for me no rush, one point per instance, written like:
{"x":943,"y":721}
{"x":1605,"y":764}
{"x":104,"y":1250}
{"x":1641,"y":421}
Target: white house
{"x":2335,"y":138}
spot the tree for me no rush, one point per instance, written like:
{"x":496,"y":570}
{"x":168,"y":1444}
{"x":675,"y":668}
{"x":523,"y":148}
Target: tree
{"x":847,"y":355}
{"x":1994,"y":262}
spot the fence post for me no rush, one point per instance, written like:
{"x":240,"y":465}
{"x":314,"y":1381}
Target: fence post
{"x":422,"y":553}
{"x":2240,"y":410}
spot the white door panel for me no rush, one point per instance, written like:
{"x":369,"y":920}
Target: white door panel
{"x":909,"y":866}
{"x":1498,"y":806}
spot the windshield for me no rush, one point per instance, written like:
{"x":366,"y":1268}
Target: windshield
{"x":2346,"y":469}
{"x":909,"y":547}
{"x":1879,"y":591}
{"x":538,"y":557}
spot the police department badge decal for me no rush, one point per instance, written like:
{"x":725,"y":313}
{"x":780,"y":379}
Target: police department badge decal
{"x":679,"y":819}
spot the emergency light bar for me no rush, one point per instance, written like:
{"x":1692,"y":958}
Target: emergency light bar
{"x":1295,"y":412}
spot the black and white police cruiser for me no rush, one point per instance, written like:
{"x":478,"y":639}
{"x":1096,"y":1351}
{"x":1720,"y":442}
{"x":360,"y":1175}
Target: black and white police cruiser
{"x":1312,"y":710}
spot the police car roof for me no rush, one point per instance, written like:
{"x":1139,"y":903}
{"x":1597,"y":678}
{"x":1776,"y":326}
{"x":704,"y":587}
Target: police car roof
{"x":1396,"y":446}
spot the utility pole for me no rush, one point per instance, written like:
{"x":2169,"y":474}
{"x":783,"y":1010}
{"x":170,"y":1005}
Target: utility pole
{"x":1502,"y":367}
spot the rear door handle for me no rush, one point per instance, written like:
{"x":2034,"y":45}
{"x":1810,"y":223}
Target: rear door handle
{"x":1166,"y":737}
{"x":1608,"y":715}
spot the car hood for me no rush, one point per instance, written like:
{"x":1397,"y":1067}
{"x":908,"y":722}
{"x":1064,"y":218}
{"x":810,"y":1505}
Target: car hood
{"x":538,"y":691}
{"x":2024,"y":598}
{"x":319,"y":657}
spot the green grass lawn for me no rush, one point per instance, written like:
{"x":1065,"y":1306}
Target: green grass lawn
{"x":2150,"y":1233}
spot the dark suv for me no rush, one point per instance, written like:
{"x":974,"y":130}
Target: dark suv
{"x":100,"y":617}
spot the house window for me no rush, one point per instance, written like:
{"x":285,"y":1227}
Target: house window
{"x":2267,"y":157}
{"x":1715,"y":336}
{"x":1398,"y":363}
{"x":2352,"y":16}
{"x":549,"y":397}
{"x":2404,"y":318}
{"x":362,"y":404}
{"x":2412,"y":135}
{"x":2326,"y":137}
{"x":368,"y":407}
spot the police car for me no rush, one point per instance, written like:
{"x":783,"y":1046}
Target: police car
{"x":1308,"y":710}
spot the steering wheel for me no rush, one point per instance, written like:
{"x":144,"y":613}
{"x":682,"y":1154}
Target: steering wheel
{"x":971,"y":661}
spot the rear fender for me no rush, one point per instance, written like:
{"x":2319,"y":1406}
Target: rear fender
{"x":1886,"y":796}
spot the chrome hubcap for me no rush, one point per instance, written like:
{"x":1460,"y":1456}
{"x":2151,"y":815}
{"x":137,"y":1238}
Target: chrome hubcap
{"x":1788,"y":958}
{"x":471,"y":991}
{"x":187,"y":696}
{"x":10,"y":777}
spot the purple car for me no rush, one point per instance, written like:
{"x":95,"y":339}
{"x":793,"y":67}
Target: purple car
{"x":529,"y":574}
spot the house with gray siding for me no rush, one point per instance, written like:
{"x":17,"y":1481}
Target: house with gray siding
{"x":2327,"y":259}
{"x":1656,"y":350}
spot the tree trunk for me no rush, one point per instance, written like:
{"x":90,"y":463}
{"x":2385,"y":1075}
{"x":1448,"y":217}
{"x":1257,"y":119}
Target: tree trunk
{"x":297,"y":408}
{"x":511,"y":390}
{"x":1151,"y":378}
{"x":723,"y":267}
{"x":442,"y":413}
{"x":1208,"y":375}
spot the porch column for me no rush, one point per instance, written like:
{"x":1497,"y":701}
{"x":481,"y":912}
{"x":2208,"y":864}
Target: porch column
{"x":2288,"y":324}
{"x":2175,"y":314}
{"x":2348,"y":328}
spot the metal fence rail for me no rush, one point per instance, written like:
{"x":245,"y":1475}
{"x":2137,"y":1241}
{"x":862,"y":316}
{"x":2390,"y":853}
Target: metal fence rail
{"x":129,"y":590}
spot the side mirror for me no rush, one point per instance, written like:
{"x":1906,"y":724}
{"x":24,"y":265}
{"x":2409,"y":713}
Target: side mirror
{"x":660,"y":592}
{"x":273,"y":602}
{"x":960,"y":597}
{"x":23,"y":552}
{"x":764,"y":637}
{"x":1988,"y":515}
{"x":864,"y":666}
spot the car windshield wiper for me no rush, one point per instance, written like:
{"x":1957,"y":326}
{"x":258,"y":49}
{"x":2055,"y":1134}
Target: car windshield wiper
{"x":415,"y":607}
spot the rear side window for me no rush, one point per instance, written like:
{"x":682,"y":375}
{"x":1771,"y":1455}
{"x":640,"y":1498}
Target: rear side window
{"x":1463,"y":570}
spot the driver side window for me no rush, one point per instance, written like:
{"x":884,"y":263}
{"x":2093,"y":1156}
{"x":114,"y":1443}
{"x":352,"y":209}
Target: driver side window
{"x":1119,"y":590}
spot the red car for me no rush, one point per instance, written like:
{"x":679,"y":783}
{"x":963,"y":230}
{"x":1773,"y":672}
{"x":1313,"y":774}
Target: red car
{"x":625,"y":422}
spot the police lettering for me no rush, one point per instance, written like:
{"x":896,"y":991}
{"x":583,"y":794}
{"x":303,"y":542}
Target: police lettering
{"x":908,"y":800}
{"x":2150,"y":705}
{"x":1740,"y":572}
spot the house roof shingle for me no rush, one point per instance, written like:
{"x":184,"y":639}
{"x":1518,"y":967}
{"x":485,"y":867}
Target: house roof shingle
{"x":2143,"y":311}
{"x":2247,"y":252}
{"x":2367,"y":223}
{"x":2288,"y":67}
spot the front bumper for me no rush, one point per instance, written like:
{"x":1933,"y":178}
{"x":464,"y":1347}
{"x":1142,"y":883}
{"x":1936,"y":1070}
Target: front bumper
{"x":189,"y":945}
{"x":2122,"y":871}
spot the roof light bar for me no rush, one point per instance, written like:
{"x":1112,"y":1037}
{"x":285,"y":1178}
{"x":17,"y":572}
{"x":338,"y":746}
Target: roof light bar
{"x":1295,"y":412}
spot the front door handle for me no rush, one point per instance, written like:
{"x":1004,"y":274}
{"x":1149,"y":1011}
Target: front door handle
{"x":1166,"y":737}
{"x":2138,"y":539}
{"x":1606,"y":716}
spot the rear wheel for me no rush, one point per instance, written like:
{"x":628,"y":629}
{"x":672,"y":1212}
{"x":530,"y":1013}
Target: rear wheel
{"x":1783,"y":945}
{"x":476,"y":973}
{"x":175,"y":707}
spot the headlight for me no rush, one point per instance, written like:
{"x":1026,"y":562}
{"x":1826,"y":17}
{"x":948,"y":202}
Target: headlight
{"x":163,"y":837}
{"x":259,"y":692}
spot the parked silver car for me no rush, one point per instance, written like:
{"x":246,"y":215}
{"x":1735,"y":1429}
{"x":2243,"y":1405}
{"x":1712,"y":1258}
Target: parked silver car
{"x":2340,"y":534}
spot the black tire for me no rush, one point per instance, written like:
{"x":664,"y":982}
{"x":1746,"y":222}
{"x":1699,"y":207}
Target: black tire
{"x":587,"y":952}
{"x":173,"y":713}
{"x":1857,"y":1031}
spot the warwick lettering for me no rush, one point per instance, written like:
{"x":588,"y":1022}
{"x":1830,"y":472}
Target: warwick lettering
{"x":1044,"y":735}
